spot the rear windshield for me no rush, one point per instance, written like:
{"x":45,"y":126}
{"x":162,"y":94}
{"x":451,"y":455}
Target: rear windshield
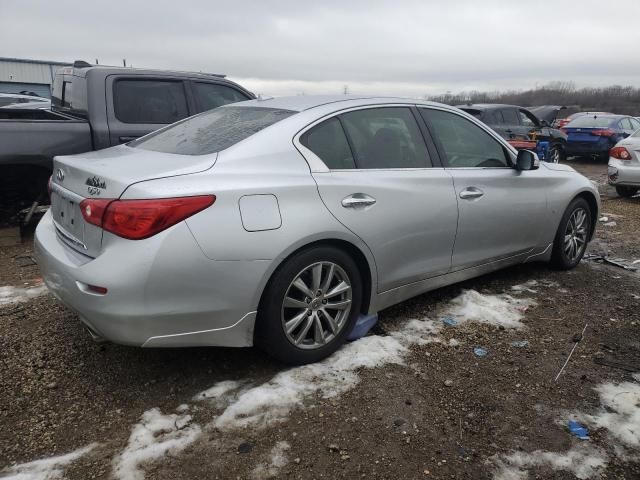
{"x":211,"y":131}
{"x":589,"y":121}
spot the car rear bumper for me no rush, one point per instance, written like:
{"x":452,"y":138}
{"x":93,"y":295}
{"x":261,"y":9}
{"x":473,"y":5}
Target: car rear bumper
{"x":162,"y":291}
{"x":623,"y":173}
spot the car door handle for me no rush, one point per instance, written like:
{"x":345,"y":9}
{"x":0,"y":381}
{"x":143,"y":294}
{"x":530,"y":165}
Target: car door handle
{"x":358,"y":200}
{"x":471,"y":193}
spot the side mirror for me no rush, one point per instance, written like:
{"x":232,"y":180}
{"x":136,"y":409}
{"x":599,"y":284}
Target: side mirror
{"x":625,"y":135}
{"x":527,"y":160}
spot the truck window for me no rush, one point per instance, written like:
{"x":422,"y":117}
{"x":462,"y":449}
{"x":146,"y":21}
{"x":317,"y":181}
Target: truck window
{"x":149,"y":101}
{"x":212,"y":95}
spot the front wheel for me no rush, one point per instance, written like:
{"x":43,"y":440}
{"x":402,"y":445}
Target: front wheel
{"x":572,"y":236}
{"x":556,"y":154}
{"x":309,"y":306}
{"x":626,"y":191}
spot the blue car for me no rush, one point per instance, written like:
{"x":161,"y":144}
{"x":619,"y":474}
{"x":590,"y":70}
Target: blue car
{"x":594,"y":135}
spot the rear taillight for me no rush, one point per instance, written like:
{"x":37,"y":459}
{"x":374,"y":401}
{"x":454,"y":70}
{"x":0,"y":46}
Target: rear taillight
{"x":620,"y":153}
{"x":607,"y":132}
{"x":562,"y":122}
{"x":138,"y":219}
{"x":93,"y":210}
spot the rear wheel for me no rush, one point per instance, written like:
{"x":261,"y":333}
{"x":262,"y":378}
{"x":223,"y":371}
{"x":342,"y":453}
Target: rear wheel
{"x":626,"y":191}
{"x":309,"y":306}
{"x":572,"y":235}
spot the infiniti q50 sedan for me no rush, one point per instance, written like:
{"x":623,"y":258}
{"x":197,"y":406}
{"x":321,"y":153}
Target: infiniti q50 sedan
{"x":279,"y":222}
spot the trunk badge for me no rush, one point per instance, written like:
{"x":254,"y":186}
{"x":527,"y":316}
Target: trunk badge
{"x":60,"y":175}
{"x":94,"y":185}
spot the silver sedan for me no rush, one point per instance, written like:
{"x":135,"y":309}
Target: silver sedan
{"x":281,"y":222}
{"x":624,"y":165}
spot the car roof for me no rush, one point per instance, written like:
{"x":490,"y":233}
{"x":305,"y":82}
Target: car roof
{"x":301,"y":103}
{"x":487,"y":106}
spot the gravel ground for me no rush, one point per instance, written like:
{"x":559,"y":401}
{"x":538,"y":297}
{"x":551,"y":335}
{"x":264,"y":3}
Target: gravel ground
{"x":439,"y":413}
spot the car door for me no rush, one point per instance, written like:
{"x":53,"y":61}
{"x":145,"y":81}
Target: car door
{"x":500,"y":208}
{"x":512,"y":126}
{"x":141,"y":104}
{"x":381,"y":183}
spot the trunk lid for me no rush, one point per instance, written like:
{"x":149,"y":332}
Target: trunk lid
{"x":106,"y":174}
{"x":582,"y":135}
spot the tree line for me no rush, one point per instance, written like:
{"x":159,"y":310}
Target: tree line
{"x":615,"y":98}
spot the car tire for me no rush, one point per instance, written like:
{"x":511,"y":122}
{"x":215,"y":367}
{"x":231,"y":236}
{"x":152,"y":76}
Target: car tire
{"x":572,"y":235}
{"x":556,"y":154}
{"x":284,"y":303}
{"x":626,"y":191}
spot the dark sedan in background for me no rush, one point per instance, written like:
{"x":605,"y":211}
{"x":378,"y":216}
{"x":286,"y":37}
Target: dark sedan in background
{"x":594,"y":135}
{"x":521,"y":128}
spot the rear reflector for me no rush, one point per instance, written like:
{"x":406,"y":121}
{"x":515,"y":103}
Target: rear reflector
{"x":620,"y":153}
{"x":96,"y":289}
{"x":138,"y":219}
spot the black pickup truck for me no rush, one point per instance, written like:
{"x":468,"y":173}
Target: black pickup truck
{"x":95,"y":107}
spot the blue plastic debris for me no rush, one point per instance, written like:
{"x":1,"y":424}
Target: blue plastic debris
{"x":480,"y":352}
{"x":578,"y":430}
{"x":520,"y":343}
{"x":449,"y":321}
{"x":362,"y":326}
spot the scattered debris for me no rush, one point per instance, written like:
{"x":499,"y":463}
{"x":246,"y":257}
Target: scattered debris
{"x":572,"y":350}
{"x":245,"y":447}
{"x":480,"y":352}
{"x":362,"y":326}
{"x":448,"y":383}
{"x":520,"y":343}
{"x":616,"y":262}
{"x":449,"y":321}
{"x":578,"y":430}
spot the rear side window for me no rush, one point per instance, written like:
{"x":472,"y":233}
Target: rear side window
{"x":626,"y":124}
{"x":464,"y":143}
{"x":510,"y":116}
{"x":386,"y":138}
{"x":212,"y":95}
{"x":635,"y":124}
{"x":211,"y":131}
{"x":328,"y":141}
{"x":149,"y":101}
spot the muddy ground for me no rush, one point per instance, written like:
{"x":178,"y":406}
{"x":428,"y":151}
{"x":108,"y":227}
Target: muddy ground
{"x":442,"y":413}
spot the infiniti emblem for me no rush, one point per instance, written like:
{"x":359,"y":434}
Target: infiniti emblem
{"x":60,"y":175}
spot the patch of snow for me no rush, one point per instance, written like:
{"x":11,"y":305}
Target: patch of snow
{"x":272,"y":401}
{"x":525,"y":287}
{"x":620,"y":414}
{"x":453,"y":342}
{"x":222,"y":393}
{"x":610,"y":224}
{"x":51,"y":468}
{"x":502,"y":309}
{"x":277,"y":460}
{"x":12,"y":294}
{"x":583,"y":461}
{"x":156,"y":436}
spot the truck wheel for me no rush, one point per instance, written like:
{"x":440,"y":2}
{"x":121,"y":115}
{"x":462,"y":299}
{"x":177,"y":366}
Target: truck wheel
{"x":572,"y":235}
{"x":310,"y":306}
{"x":626,"y":191}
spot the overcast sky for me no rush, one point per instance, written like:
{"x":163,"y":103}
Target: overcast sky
{"x":289,"y":47}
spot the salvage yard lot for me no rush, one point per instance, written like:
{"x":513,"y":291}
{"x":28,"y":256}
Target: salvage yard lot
{"x":410,"y":401}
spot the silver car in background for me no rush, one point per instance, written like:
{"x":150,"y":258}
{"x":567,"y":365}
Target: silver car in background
{"x":279,"y":222}
{"x":624,"y":165}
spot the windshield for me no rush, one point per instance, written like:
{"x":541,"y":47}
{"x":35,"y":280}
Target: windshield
{"x":588,"y":121}
{"x":211,"y":131}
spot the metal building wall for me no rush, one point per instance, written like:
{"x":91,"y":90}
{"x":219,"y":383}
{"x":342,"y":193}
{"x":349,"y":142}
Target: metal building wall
{"x":18,"y":74}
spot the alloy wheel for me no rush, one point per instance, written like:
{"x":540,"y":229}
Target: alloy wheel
{"x":575,"y":235}
{"x":316,"y":305}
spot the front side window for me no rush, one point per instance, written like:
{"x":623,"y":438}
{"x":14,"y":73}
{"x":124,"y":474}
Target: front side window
{"x":149,"y":101}
{"x":464,"y":143}
{"x":328,"y":141}
{"x":211,"y":131}
{"x":213,"y":95}
{"x":386,"y":137}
